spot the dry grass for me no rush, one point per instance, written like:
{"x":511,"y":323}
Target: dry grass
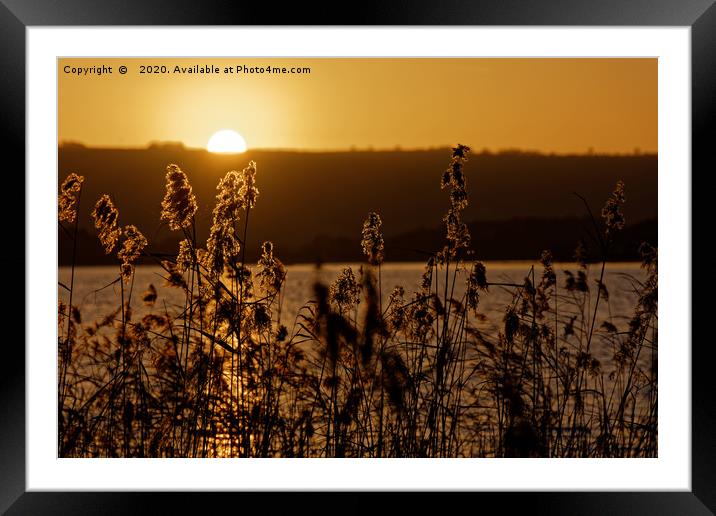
{"x":353,"y":377}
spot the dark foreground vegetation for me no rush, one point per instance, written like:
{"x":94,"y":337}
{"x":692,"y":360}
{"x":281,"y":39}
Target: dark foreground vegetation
{"x":361,"y":372}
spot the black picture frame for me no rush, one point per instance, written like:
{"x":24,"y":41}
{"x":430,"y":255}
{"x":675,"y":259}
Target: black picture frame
{"x":17,"y":15}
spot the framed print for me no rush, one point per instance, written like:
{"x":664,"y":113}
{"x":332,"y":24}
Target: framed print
{"x":413,"y":252}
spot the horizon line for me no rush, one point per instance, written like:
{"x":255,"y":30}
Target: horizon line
{"x":165,"y":145}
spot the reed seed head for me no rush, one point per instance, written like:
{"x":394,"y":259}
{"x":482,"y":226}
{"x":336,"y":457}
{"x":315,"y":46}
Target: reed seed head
{"x":458,"y":235}
{"x":67,"y":200}
{"x":185,"y":256}
{"x":150,"y":296}
{"x":397,"y":308}
{"x":612,"y":211}
{"x":476,"y":281}
{"x":372,"y":242}
{"x":222,"y":245}
{"x":549,"y":277}
{"x":345,"y":290}
{"x":271,"y":271}
{"x":132,"y":247}
{"x":248,"y":192}
{"x":105,"y":217}
{"x":179,"y":204}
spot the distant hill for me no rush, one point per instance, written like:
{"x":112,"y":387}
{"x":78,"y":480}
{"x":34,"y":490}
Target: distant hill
{"x":312,"y":204}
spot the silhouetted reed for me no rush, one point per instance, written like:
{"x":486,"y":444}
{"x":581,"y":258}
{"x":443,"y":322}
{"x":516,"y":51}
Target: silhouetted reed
{"x":417,"y":376}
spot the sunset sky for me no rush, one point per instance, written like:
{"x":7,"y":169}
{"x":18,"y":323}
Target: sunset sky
{"x":548,"y":105}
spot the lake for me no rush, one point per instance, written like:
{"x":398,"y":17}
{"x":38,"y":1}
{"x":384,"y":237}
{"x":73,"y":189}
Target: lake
{"x":95,"y":298}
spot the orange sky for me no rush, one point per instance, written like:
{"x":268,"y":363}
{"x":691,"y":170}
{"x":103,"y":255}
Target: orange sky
{"x":548,"y":105}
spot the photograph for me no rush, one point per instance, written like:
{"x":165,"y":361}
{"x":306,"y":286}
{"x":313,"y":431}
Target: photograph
{"x":385,"y":257}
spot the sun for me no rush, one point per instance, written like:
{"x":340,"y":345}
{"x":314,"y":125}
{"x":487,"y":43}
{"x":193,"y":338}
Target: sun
{"x":226,"y":141}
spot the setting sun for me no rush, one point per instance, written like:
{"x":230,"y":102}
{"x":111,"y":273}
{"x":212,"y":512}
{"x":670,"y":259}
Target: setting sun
{"x":326,"y":293}
{"x":226,"y":141}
